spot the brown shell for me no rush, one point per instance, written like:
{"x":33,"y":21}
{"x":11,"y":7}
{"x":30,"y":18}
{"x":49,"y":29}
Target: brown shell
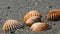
{"x":10,"y":25}
{"x":53,"y":15}
{"x":36,"y":27}
{"x":30,"y":14}
{"x":54,"y":11}
{"x":32,"y":20}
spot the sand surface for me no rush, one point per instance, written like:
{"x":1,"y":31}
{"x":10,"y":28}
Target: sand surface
{"x":16,"y":9}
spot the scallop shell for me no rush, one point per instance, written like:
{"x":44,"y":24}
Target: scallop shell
{"x":54,"y":11}
{"x":31,"y":20}
{"x":30,"y":14}
{"x":53,"y":15}
{"x":36,"y":27}
{"x":10,"y":25}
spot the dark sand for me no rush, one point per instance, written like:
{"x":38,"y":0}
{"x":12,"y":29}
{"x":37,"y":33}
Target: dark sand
{"x":16,"y":9}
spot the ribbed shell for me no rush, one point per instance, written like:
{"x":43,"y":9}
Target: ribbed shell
{"x":54,"y":11}
{"x":53,"y":15}
{"x":10,"y":25}
{"x":36,"y":27}
{"x":30,"y":14}
{"x":32,"y":20}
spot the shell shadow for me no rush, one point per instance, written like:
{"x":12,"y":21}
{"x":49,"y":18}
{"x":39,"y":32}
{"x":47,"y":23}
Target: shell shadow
{"x":21,"y":26}
{"x":49,"y":28}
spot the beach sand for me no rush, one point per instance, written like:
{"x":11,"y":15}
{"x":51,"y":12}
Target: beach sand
{"x":16,"y":9}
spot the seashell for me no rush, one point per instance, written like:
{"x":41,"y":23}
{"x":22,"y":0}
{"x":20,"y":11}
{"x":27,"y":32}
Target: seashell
{"x":53,"y":15}
{"x":10,"y":25}
{"x":36,"y":27}
{"x":30,"y":14}
{"x":32,"y":20}
{"x":54,"y":11}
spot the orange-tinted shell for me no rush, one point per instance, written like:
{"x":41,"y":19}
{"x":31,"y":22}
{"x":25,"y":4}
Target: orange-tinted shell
{"x":36,"y":27}
{"x":54,"y":11}
{"x":30,"y":14}
{"x":10,"y":25}
{"x":32,"y":20}
{"x":53,"y":15}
